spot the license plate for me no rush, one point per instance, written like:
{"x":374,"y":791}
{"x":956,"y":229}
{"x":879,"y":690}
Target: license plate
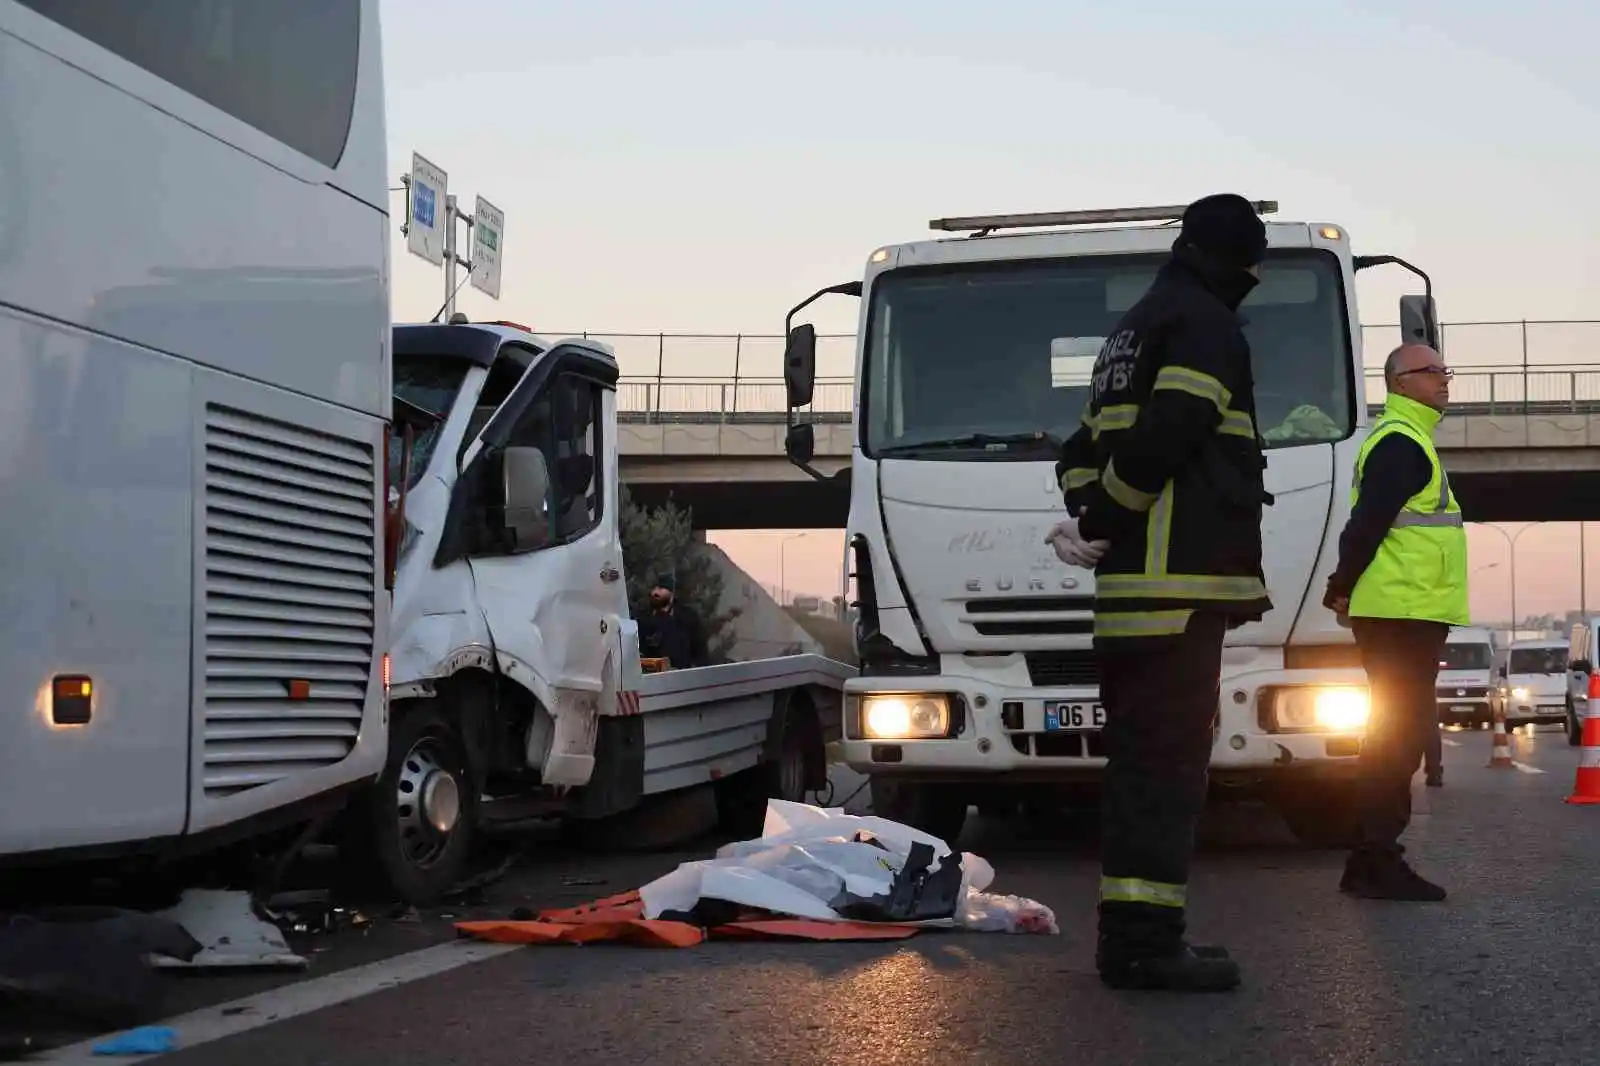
{"x":1061,"y":715}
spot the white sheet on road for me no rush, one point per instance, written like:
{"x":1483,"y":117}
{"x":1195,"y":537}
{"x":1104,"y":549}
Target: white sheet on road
{"x":807,"y":857}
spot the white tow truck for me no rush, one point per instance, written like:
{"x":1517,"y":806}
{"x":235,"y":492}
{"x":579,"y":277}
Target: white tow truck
{"x":978,"y":683}
{"x":517,"y":689}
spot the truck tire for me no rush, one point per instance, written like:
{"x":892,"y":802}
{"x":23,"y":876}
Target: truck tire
{"x":1574,"y":726}
{"x":1321,"y":815}
{"x":939,"y":810}
{"x":782,"y":773}
{"x":417,"y":826}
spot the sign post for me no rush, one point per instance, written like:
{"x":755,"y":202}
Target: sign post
{"x":430,"y":231}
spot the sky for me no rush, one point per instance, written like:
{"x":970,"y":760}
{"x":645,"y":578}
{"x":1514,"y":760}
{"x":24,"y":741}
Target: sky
{"x":699,"y":167}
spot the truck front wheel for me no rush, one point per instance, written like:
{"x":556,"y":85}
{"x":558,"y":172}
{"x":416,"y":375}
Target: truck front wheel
{"x":1321,"y":814}
{"x":420,"y":815}
{"x":939,"y":810}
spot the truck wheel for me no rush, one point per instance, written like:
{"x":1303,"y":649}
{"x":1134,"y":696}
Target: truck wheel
{"x":939,"y":810}
{"x":1574,"y":727}
{"x":1322,"y":815}
{"x":421,"y":813}
{"x":742,"y":798}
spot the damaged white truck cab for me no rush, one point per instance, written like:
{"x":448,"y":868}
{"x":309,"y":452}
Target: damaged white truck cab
{"x":978,"y":681}
{"x":516,"y":687}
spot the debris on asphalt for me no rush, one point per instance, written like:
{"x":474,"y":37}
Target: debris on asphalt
{"x":814,"y":874}
{"x":149,"y":1040}
{"x":230,"y":932}
{"x":88,"y":963}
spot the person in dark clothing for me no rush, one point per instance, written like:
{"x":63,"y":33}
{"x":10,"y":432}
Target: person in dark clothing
{"x":1164,"y":485}
{"x":672,"y":630}
{"x":1401,"y":582}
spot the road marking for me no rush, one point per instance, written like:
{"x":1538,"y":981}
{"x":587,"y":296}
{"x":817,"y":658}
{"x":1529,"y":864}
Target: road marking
{"x":214,"y":1023}
{"x":1525,"y":768}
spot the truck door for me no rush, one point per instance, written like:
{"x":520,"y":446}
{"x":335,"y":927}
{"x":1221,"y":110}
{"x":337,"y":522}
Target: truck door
{"x":547,"y":578}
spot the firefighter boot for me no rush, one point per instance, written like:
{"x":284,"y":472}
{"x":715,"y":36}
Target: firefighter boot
{"x":1142,"y":947}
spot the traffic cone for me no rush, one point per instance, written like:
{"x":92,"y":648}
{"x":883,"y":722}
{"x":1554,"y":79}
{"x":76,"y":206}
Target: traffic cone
{"x":1586,"y":789}
{"x":1500,"y":756}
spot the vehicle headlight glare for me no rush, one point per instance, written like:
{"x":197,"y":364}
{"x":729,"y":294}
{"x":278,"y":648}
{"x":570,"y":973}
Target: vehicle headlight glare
{"x":1321,"y":709}
{"x":904,"y":717}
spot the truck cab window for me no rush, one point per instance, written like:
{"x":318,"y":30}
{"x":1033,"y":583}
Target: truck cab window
{"x":576,"y":407}
{"x":564,"y":424}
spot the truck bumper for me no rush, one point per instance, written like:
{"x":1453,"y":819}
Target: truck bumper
{"x":1001,"y":736}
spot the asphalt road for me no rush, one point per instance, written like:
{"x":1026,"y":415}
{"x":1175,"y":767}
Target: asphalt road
{"x":1500,"y":972}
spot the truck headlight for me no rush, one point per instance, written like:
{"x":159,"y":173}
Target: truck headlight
{"x":905,"y":717}
{"x":1320,"y":709}
{"x":1520,"y":693}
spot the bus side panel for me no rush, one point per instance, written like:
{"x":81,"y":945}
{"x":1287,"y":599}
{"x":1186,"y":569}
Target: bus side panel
{"x":136,"y":210}
{"x":290,"y":614}
{"x":95,"y":476}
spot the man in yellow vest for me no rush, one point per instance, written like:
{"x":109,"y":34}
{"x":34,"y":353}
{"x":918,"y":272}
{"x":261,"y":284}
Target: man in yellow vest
{"x":1402,"y":582}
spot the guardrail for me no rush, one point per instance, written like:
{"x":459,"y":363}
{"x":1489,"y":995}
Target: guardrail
{"x":1524,"y":367}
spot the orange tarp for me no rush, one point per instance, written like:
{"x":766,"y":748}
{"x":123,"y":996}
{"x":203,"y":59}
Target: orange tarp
{"x":621,"y":919}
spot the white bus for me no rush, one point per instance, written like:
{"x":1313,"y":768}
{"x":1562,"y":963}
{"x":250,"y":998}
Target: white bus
{"x":194,"y":403}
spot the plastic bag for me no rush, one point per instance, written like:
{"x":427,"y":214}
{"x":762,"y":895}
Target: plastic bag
{"x":983,"y":912}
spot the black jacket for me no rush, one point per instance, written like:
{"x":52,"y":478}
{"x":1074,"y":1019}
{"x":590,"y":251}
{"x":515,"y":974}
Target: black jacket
{"x":1168,"y":464}
{"x":675,"y":634}
{"x":1396,"y":470}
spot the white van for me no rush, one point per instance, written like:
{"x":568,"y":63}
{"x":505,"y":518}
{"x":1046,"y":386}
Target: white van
{"x":1466,"y":677}
{"x":1534,"y":682}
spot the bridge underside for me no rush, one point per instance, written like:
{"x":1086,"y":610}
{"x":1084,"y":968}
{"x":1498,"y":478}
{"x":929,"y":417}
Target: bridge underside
{"x":1504,"y":495}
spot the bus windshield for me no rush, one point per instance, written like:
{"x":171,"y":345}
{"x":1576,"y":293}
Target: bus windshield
{"x":992,"y":353}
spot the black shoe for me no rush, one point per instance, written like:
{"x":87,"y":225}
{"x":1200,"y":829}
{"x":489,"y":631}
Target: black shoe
{"x":1436,"y":779}
{"x":1187,"y":970}
{"x":1388,"y":878}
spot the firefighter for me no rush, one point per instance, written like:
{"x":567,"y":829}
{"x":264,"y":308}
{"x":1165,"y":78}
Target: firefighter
{"x":1164,"y":484}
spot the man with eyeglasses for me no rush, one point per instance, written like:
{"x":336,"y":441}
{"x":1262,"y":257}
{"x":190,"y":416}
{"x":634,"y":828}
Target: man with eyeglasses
{"x":1402,"y":583}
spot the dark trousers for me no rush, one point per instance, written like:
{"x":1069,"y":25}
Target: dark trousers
{"x":1433,"y":754}
{"x":1161,"y":714}
{"x":1402,"y":663}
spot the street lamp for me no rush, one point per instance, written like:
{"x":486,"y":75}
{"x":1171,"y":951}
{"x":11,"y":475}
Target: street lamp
{"x":1511,"y":545}
{"x":783,"y":580}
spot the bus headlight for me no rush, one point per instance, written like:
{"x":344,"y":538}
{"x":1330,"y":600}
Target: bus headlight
{"x":916,"y":716}
{"x":1320,"y":709}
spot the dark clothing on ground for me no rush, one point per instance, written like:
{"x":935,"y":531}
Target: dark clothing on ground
{"x":676,"y":634}
{"x":1161,"y":713}
{"x":1396,"y":469}
{"x":1401,"y":657}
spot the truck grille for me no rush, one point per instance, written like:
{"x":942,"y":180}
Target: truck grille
{"x":1462,"y":692}
{"x":1073,"y":666}
{"x":1020,"y":616}
{"x":290,"y":587}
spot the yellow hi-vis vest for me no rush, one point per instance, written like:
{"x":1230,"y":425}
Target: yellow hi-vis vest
{"x":1420,"y":571}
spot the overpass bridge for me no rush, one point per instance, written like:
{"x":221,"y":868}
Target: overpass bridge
{"x":1521,"y":442}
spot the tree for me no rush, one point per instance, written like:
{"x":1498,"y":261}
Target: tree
{"x":659,"y":541}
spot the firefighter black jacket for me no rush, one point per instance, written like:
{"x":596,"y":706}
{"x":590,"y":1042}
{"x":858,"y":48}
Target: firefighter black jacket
{"x":1167,"y":464}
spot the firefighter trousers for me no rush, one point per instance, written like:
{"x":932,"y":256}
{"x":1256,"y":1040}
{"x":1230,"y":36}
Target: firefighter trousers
{"x":1161,"y":714}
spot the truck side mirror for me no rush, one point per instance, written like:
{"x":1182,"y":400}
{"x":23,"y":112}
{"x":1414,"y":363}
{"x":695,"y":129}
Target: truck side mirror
{"x":800,"y":364}
{"x":1419,"y":322}
{"x":1503,"y":673}
{"x":800,"y":443}
{"x":525,"y":486}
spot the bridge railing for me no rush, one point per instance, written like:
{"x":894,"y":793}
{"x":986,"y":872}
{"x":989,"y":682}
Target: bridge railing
{"x":1501,"y":368}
